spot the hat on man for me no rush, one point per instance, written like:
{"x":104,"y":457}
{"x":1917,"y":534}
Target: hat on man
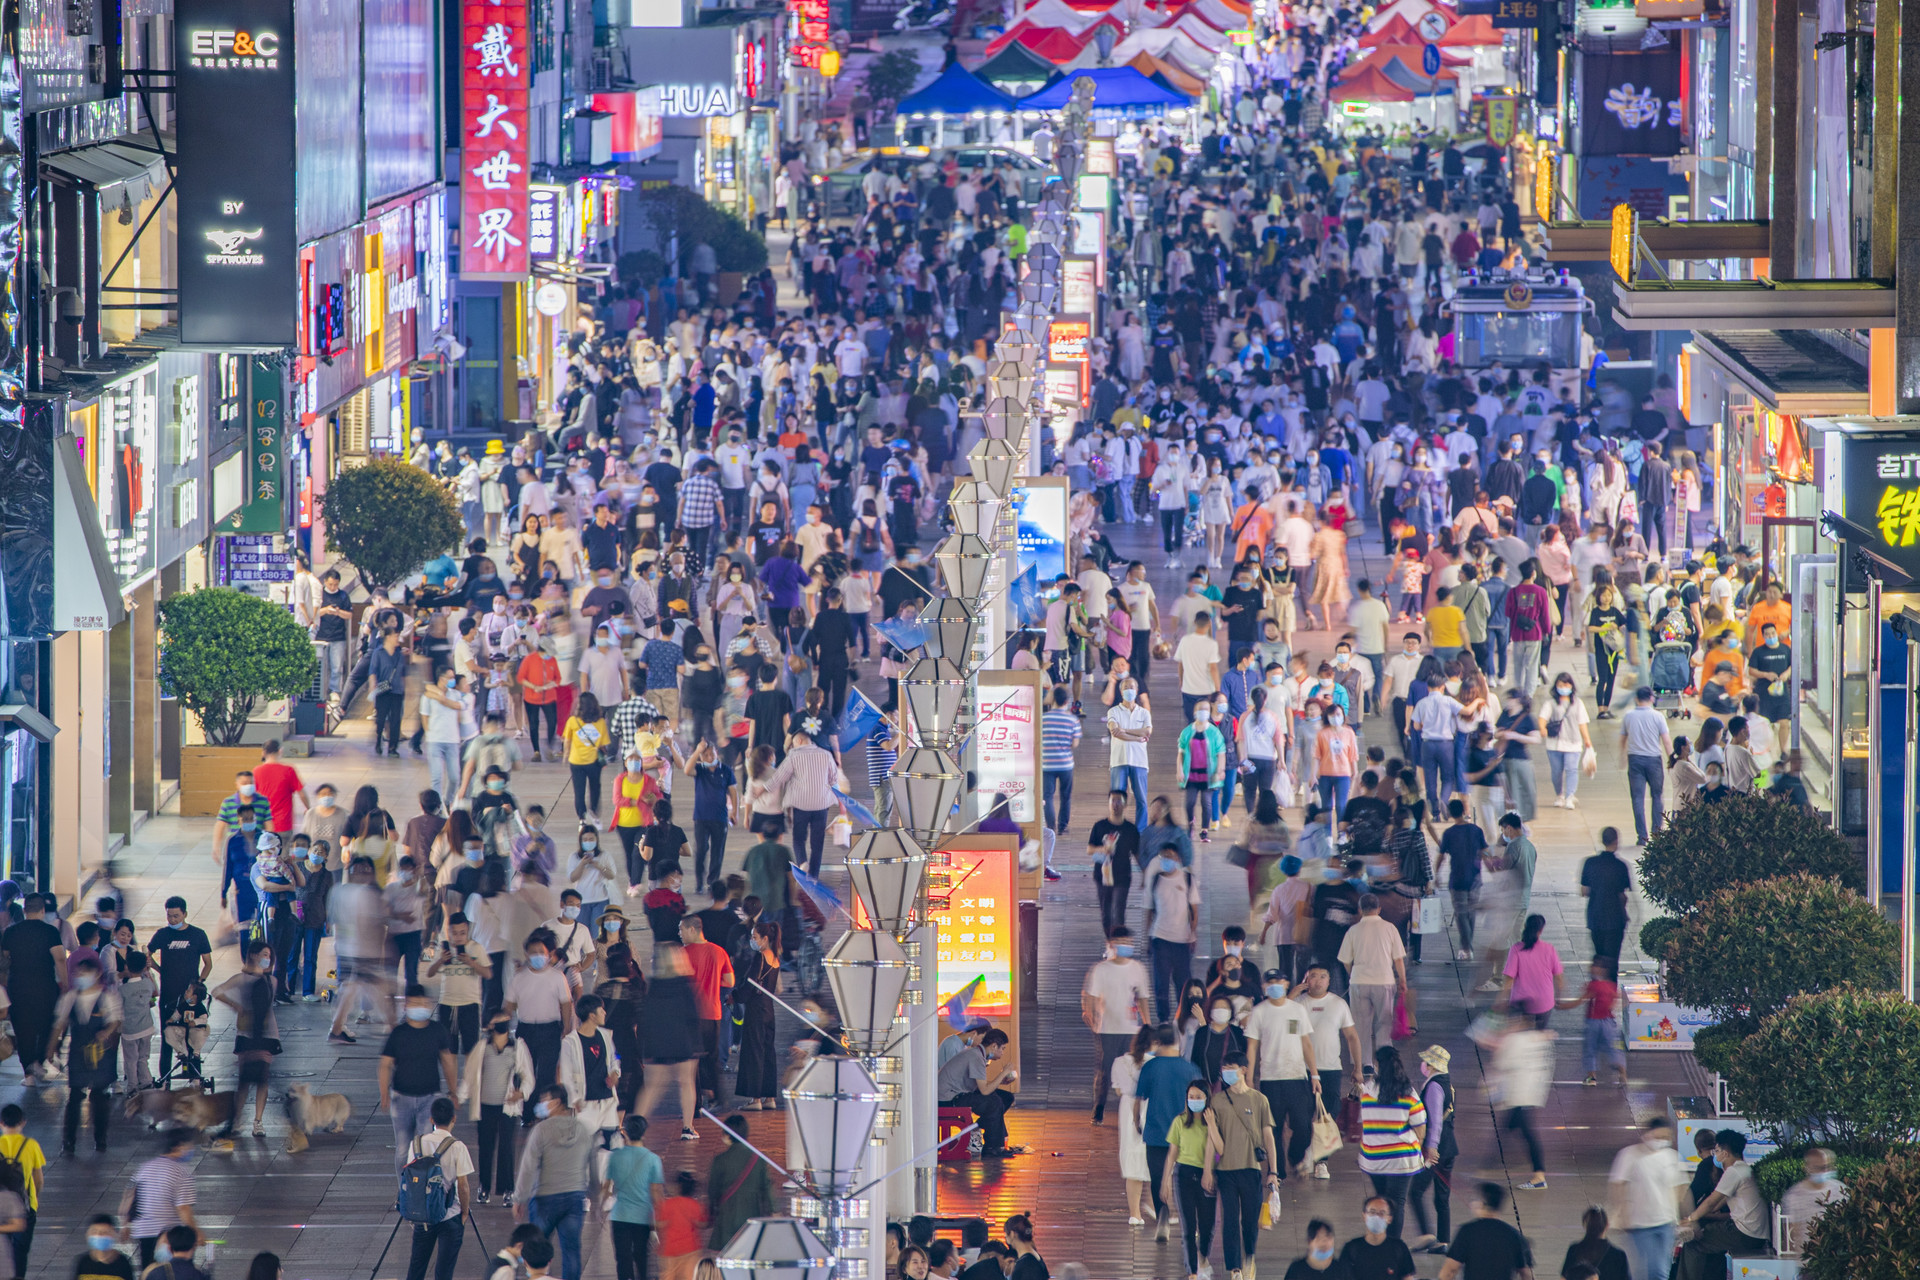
{"x":1436,"y":1057}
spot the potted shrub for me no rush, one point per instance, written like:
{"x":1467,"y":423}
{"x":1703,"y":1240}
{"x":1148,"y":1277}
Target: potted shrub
{"x":1704,"y":848}
{"x":388,"y":518}
{"x":1748,"y":950}
{"x":1837,"y":1068}
{"x":226,"y":654}
{"x":1874,"y":1234}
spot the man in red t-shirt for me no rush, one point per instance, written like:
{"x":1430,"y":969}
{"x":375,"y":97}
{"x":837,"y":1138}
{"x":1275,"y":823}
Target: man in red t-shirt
{"x":279,"y":783}
{"x":712,"y":974}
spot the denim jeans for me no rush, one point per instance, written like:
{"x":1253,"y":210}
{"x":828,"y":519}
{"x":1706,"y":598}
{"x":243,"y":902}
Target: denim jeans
{"x":1120,"y":776}
{"x":411,"y":1118}
{"x":1601,"y":1043}
{"x":1333,"y":793}
{"x":1643,"y":775}
{"x":443,"y":758}
{"x":446,"y":1236}
{"x":310,"y":959}
{"x":1172,"y":966}
{"x":562,"y":1212}
{"x":336,"y":666}
{"x":1565,"y":768}
{"x":1436,"y":762}
{"x":1649,"y":1251}
{"x":1061,"y":781}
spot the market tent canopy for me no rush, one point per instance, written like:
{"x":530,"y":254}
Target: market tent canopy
{"x":1397,"y":30}
{"x":1118,"y":89}
{"x":1371,"y":85}
{"x":1170,"y":45}
{"x":956,"y":91}
{"x":1169,"y":75}
{"x":1055,"y":30}
{"x":1478,"y":29}
{"x":1410,"y":12}
{"x":1015,"y":64}
{"x":1221,"y":13}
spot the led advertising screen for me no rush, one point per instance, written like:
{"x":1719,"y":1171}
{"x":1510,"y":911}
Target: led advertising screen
{"x":400,"y":97}
{"x":975,"y":914}
{"x":328,"y":85}
{"x":1040,"y":515}
{"x":1007,"y":739}
{"x":239,"y":263}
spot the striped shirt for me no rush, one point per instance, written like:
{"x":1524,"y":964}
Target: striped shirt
{"x":164,"y":1185}
{"x":261,"y":806}
{"x":1059,"y":735}
{"x":880,"y":757}
{"x":1387,"y":1142}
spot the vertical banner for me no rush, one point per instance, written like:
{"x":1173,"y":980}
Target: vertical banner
{"x":493,"y":139}
{"x":239,"y":254}
{"x":264,"y":509}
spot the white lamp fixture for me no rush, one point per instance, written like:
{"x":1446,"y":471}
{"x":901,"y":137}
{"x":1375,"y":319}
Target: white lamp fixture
{"x":965,"y":561}
{"x":975,"y":509}
{"x":950,"y":624}
{"x":869,"y":971}
{"x":1005,"y":414}
{"x":834,"y":1102}
{"x":888,"y":867}
{"x":934,"y":690}
{"x":995,"y":463}
{"x":927,"y":783}
{"x":776,"y":1249}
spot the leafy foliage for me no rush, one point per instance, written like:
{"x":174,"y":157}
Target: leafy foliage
{"x":1704,"y":848}
{"x":224,"y":652}
{"x":1778,"y":1170}
{"x":1837,"y":1068}
{"x":1654,"y":936}
{"x":670,"y":211}
{"x":1714,"y":1046}
{"x":643,"y":267}
{"x":892,"y":75}
{"x":388,"y":518}
{"x":1874,"y":1234}
{"x":1746,"y":951}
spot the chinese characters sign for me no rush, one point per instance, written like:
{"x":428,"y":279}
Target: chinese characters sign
{"x":1008,"y":740}
{"x":1631,"y":104}
{"x":975,"y":911}
{"x":1881,"y":494}
{"x":264,"y":507}
{"x":494,"y":231}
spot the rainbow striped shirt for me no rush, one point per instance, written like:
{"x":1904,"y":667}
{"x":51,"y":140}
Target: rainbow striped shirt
{"x":1387,"y":1142}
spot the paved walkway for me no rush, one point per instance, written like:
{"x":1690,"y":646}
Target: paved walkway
{"x":327,"y":1212}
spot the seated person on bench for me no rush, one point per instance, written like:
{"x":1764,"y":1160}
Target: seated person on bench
{"x":1732,"y":1220}
{"x":970,"y":1079}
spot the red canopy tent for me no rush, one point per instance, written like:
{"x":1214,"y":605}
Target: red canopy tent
{"x":1475,"y":30}
{"x":1370,"y":84}
{"x":1396,"y":30}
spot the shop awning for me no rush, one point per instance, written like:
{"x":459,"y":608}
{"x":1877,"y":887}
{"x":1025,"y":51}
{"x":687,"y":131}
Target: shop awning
{"x":22,"y":715}
{"x":110,"y":164}
{"x":1789,"y":371}
{"x":1719,"y":305}
{"x":86,"y":591}
{"x":956,"y":91}
{"x":1118,"y":90}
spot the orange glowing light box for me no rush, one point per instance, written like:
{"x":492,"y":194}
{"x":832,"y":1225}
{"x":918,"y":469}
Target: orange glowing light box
{"x":978,"y":914}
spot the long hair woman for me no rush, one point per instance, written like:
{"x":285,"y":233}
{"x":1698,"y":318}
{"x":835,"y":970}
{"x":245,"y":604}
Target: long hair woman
{"x":1390,"y":1140}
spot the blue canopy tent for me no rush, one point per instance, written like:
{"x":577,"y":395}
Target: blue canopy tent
{"x":956,"y":91}
{"x":1117,"y":91}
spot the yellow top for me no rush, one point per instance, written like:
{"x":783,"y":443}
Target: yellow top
{"x":584,"y":740}
{"x":26,"y":1153}
{"x":1445,"y":621}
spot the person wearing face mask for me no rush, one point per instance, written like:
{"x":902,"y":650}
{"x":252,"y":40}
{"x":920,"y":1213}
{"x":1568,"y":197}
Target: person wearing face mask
{"x":1130,"y":728}
{"x":494,"y":1089}
{"x":1732,"y":1218}
{"x":541,"y":1000}
{"x":1242,"y":1159}
{"x":406,"y":900}
{"x":556,"y":1170}
{"x":1202,"y":752}
{"x":93,"y":1011}
{"x":1645,"y":1191}
{"x":1335,"y":751}
{"x":1770,"y":667}
{"x":245,"y":800}
{"x":257,"y":1032}
{"x":573,"y":937}
{"x":1190,"y":1138}
{"x":1112,"y":1001}
{"x":1322,"y":1260}
{"x":103,"y":1259}
{"x":462,"y":967}
{"x":591,"y":872}
{"x":1376,"y":1255}
{"x":415,"y":1061}
{"x":1808,"y":1200}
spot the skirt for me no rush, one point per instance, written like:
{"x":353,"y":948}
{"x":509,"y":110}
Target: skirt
{"x":759,"y":1074}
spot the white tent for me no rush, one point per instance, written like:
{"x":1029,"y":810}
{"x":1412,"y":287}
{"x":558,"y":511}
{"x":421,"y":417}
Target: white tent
{"x":1412,"y":11}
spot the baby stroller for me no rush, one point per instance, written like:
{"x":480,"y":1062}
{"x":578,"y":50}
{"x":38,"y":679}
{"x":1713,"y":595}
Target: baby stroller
{"x":185,"y":1032}
{"x":1670,"y":670}
{"x":810,"y":970}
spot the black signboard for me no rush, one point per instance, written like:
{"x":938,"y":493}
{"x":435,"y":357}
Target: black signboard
{"x":239,"y":256}
{"x":1881,"y":495}
{"x":1630,"y":103}
{"x":1520,"y":13}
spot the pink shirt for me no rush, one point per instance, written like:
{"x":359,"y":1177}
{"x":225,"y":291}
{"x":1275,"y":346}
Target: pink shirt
{"x":1334,"y":751}
{"x":1533,"y":973}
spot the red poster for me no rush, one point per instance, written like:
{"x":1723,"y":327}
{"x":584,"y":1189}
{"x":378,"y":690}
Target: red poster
{"x":493,"y":148}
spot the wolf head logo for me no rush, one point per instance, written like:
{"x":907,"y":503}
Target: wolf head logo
{"x":230,"y":241}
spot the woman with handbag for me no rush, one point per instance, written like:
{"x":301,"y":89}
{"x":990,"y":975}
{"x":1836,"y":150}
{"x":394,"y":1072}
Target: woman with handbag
{"x":1393,"y":1128}
{"x":1567,"y":735}
{"x":1607,"y":642}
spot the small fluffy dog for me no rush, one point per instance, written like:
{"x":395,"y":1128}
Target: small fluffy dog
{"x":308,"y":1112}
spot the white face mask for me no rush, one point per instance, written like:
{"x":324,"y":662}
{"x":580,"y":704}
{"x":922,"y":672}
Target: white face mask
{"x":1219,"y":1016}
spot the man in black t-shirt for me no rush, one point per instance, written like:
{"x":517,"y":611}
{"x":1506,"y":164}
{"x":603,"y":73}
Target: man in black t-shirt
{"x":335,"y":612}
{"x":1605,"y":883}
{"x":1517,"y":731}
{"x":1115,"y":846}
{"x":1462,"y":845}
{"x":1240,"y":605}
{"x":184,"y":956}
{"x":1769,"y":667}
{"x":36,"y":963}
{"x":414,"y":1061}
{"x":1487,"y":1248}
{"x":768,"y":709}
{"x":1376,"y":1255}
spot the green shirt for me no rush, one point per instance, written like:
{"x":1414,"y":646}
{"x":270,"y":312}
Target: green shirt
{"x":1189,"y":1142}
{"x":633,"y":1170}
{"x":768,"y":867}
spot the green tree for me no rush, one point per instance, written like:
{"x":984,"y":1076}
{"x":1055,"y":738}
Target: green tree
{"x":1748,"y":950}
{"x":892,"y":76}
{"x":1839,"y":1068}
{"x":1874,"y":1234}
{"x":388,"y":518}
{"x":671,"y":211}
{"x":1704,"y":848}
{"x":224,"y":652}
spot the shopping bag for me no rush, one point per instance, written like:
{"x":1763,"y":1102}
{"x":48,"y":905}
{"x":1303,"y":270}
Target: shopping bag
{"x":1589,"y":763}
{"x":1430,"y":920}
{"x":1350,"y":1118}
{"x":1326,"y":1135}
{"x":1402,"y":1023}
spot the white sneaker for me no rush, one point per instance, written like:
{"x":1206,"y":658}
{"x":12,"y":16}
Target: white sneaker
{"x":1463,"y":954}
{"x":1491,"y":984}
{"x":1320,"y":1172}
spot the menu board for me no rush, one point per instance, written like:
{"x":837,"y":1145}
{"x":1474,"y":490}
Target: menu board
{"x":249,"y":561}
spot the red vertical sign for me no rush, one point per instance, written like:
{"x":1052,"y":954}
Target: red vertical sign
{"x":493,"y":139}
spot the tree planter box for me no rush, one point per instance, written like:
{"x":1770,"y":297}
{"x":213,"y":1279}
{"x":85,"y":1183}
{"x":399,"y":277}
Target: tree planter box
{"x":206,"y":776}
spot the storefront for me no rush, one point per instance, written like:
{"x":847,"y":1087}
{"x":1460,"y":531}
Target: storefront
{"x":720,"y":101}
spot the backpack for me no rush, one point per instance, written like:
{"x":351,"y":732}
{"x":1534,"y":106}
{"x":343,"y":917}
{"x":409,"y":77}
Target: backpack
{"x":425,"y":1190}
{"x":869,"y":537}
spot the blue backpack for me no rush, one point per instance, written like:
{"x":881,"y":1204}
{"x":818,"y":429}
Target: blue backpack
{"x":425,"y":1191}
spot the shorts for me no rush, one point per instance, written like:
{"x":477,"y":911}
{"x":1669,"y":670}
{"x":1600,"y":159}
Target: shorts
{"x":255,"y":1072}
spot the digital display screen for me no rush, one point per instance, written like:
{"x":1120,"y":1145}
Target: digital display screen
{"x":1040,"y":514}
{"x":974,"y":914}
{"x":400,"y":97}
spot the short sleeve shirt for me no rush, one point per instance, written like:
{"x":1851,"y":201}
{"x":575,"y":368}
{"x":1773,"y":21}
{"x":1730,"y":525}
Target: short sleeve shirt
{"x":1743,"y":1199}
{"x":1489,"y":1249}
{"x":455,"y":1162}
{"x":634,"y":1171}
{"x":1197,"y":655}
{"x":1280,"y":1030}
{"x":1242,"y":1118}
{"x":1122,"y":752}
{"x":712,"y":970}
{"x":1329,"y":1015}
{"x":278,"y":783}
{"x":964,"y":1072}
{"x":261,"y":806}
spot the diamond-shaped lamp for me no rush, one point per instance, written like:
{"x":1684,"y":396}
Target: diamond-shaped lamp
{"x":994,"y":463}
{"x":976,"y":509}
{"x":949,"y":626}
{"x":868,"y":970}
{"x":964,"y":562}
{"x":834,"y":1102}
{"x":934,"y":690}
{"x":776,"y":1249}
{"x":927,"y":783}
{"x":887,"y":867}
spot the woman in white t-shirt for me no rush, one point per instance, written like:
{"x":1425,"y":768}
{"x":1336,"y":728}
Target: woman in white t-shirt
{"x":1563,"y":719}
{"x":1258,"y":739}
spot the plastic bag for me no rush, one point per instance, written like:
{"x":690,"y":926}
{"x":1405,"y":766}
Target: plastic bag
{"x":1270,"y":1211}
{"x":1431,"y":921}
{"x":1589,"y":763}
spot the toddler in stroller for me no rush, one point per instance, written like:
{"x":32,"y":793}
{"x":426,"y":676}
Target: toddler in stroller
{"x":1670,"y":673}
{"x":185,"y":1032}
